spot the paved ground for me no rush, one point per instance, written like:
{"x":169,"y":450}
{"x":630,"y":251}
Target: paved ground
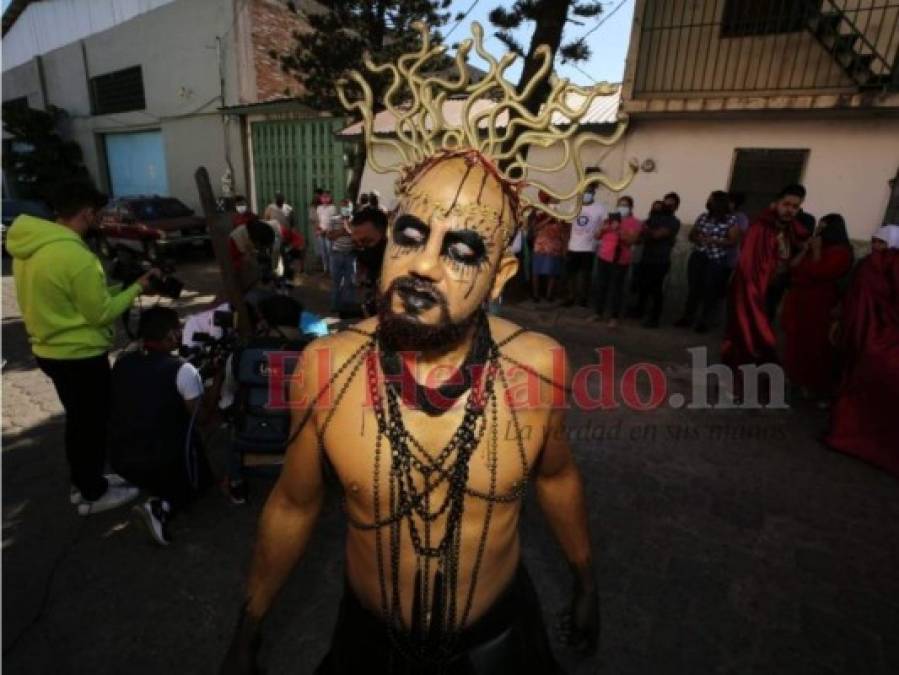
{"x":727,"y":542}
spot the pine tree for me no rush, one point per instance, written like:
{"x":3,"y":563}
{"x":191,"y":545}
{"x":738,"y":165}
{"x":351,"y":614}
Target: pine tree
{"x":340,"y":34}
{"x":550,"y":18}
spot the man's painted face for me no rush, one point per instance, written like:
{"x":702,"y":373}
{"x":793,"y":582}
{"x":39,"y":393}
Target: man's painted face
{"x":445,"y":245}
{"x":787,"y":207}
{"x":878,"y":244}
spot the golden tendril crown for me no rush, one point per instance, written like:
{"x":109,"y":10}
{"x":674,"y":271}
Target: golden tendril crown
{"x":423,"y":133}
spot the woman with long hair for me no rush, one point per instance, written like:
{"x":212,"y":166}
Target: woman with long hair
{"x":815,"y":274}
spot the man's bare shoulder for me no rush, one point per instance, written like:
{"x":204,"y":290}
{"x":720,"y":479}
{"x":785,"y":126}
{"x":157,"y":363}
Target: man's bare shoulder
{"x":535,"y":350}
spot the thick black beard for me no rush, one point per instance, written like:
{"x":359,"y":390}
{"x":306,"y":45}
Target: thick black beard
{"x":400,"y":332}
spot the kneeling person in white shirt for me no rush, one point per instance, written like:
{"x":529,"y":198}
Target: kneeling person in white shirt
{"x":153,"y":440}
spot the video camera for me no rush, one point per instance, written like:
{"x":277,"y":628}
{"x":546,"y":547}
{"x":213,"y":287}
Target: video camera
{"x":211,"y":353}
{"x":127,"y":270}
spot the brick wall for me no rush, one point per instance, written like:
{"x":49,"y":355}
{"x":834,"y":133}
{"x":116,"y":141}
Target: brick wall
{"x":273,"y":23}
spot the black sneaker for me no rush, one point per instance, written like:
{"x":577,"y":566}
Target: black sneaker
{"x":702,"y":327}
{"x":237,"y":492}
{"x":154,"y":513}
{"x":683,"y":322}
{"x":651,"y":323}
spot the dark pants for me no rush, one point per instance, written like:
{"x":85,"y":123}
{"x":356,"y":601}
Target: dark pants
{"x":509,"y":638}
{"x":776,"y":291}
{"x":178,"y":478}
{"x":707,"y":281}
{"x":579,"y":270}
{"x":610,"y":282}
{"x":650,"y":282}
{"x":83,"y":389}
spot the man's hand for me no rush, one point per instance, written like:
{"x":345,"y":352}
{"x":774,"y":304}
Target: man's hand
{"x":244,"y":648}
{"x":145,"y":280}
{"x":579,"y":625}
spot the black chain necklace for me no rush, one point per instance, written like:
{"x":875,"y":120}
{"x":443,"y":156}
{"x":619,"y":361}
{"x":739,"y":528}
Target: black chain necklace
{"x":436,"y":620}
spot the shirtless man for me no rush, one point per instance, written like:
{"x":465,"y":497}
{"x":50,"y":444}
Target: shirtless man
{"x":441,"y":265}
{"x":412,"y":419}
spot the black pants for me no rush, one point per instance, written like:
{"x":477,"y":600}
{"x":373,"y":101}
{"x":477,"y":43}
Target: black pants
{"x":509,"y":638}
{"x":579,"y":270}
{"x":650,"y":282}
{"x":610,"y":281}
{"x":776,"y":291}
{"x":707,"y":281}
{"x":178,"y":477}
{"x":83,"y":389}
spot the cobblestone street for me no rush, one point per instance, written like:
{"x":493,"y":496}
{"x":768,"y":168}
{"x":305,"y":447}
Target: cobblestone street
{"x":726,"y":541}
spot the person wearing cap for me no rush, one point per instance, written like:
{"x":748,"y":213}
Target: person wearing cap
{"x":70,"y":313}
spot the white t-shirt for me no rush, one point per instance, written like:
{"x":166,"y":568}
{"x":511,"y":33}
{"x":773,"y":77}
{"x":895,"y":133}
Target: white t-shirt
{"x":202,"y":322}
{"x":325,"y":213}
{"x":279,"y":213}
{"x":189,"y":382}
{"x":583,"y":228}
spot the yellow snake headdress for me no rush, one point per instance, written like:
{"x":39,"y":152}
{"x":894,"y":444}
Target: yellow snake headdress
{"x":425,"y":136}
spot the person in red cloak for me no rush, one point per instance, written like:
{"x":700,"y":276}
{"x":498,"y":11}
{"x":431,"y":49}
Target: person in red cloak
{"x":814,"y":292}
{"x":863,"y":420}
{"x":771,"y":241}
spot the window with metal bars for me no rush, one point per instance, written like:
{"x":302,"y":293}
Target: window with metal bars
{"x":119,"y":91}
{"x":765,"y":17}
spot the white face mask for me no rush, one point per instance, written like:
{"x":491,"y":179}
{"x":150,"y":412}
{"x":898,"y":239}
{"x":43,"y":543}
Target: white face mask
{"x":346,"y":211}
{"x":588,"y":198}
{"x":624,"y":211}
{"x":241,"y":208}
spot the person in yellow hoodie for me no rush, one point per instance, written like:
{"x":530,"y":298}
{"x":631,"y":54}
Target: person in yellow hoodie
{"x":69,"y":313}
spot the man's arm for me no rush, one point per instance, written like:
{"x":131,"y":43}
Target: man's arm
{"x":92,"y":299}
{"x":560,"y":493}
{"x":286,"y":523}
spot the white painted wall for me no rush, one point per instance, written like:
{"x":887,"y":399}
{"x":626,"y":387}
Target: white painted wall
{"x":849,"y":165}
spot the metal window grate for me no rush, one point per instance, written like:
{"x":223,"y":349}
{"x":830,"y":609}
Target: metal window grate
{"x":764,"y":17}
{"x":119,"y":91}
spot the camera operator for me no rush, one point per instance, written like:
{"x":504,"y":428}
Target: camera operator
{"x":256,"y":250}
{"x":369,"y":232}
{"x":69,"y":313}
{"x":153,"y":438}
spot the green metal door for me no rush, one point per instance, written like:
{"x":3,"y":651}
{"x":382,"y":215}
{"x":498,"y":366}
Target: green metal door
{"x":295,"y":156}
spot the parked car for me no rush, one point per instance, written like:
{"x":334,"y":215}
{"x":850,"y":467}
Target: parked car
{"x":12,"y":208}
{"x":151,"y":226}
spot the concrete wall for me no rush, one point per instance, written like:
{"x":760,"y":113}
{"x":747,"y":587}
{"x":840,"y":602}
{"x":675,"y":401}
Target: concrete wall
{"x":176,"y":47}
{"x":849,"y":165}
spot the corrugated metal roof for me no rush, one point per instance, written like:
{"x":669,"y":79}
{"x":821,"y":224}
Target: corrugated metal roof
{"x":603,"y":110}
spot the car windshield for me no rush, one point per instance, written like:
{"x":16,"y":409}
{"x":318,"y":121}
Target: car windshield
{"x":156,"y":209}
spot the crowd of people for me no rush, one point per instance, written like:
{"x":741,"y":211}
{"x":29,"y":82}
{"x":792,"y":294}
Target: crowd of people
{"x":781,"y":267}
{"x":839,"y":318}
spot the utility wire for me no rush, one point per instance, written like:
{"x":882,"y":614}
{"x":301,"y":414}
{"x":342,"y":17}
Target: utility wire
{"x":461,"y":18}
{"x":604,"y":18}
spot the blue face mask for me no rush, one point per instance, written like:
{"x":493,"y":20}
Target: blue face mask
{"x":346,"y":211}
{"x":588,"y":198}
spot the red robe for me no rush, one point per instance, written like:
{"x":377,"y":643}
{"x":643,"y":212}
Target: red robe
{"x":864,"y":419}
{"x":809,"y":355}
{"x":748,"y":335}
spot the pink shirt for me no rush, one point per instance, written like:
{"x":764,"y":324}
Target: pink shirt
{"x":610,"y":235}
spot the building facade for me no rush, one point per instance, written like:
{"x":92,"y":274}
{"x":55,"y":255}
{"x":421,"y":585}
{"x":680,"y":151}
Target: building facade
{"x":749,"y":95}
{"x":146,"y":84}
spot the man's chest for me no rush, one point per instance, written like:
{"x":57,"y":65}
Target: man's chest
{"x":493,"y":453}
